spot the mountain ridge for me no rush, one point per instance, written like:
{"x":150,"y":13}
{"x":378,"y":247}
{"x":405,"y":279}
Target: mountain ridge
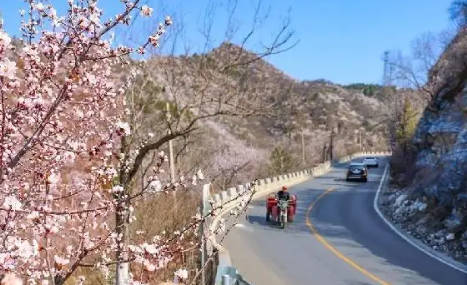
{"x":292,"y":107}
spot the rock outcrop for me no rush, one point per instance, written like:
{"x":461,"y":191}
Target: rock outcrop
{"x":441,"y":139}
{"x":434,"y":207}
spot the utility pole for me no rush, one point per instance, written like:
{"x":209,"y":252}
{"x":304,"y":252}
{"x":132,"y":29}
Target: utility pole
{"x":171,"y":157}
{"x":303,"y":148}
{"x":324,"y":154}
{"x":142,"y":175}
{"x":331,"y":146}
{"x":360,"y":139}
{"x":282,"y":163}
{"x":171,"y":150}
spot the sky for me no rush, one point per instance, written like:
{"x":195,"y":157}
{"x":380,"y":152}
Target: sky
{"x":338,"y":40}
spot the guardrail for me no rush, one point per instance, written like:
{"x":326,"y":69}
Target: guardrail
{"x":226,"y":273}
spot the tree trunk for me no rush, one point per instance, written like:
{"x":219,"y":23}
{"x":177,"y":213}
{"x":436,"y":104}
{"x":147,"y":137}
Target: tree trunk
{"x":122,"y":275}
{"x":324,"y":155}
{"x":303,"y":149}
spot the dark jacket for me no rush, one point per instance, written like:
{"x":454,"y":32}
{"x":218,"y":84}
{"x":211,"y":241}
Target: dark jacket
{"x":283,"y":195}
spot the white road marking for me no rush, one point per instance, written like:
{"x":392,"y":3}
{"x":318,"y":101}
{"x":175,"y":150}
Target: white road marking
{"x":459,"y":267}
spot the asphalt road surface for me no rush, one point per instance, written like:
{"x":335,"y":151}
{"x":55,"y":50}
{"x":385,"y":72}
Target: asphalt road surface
{"x":343,"y":241}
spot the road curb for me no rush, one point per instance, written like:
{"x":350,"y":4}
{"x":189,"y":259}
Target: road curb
{"x":439,"y":256}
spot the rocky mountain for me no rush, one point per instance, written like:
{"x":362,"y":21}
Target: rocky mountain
{"x":435,"y":203}
{"x":311,"y":105}
{"x":273,"y":108}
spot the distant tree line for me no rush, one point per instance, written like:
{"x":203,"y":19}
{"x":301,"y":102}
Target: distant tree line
{"x":367,"y":89}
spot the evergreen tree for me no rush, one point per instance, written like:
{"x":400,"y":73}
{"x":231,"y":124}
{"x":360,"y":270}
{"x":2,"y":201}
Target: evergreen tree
{"x":280,"y":161}
{"x":406,"y":126}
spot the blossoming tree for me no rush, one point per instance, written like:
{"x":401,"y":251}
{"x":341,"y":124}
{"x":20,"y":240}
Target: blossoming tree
{"x":193,"y":89}
{"x":233,"y":161}
{"x":62,"y":125}
{"x":69,"y":150}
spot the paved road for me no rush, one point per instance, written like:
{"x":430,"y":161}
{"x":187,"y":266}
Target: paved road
{"x":353,"y":245}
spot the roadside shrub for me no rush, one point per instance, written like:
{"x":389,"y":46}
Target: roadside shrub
{"x":403,"y":167}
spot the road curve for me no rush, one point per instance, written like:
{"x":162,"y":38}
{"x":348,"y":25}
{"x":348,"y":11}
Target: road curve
{"x":349,"y":244}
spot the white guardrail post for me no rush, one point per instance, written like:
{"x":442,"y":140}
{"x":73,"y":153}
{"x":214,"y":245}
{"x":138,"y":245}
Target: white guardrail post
{"x":225,"y":279}
{"x":226,"y":274}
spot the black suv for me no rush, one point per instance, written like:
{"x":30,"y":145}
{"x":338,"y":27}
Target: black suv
{"x":357,"y":171}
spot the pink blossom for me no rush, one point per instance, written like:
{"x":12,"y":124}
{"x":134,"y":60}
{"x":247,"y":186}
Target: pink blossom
{"x":151,"y":249}
{"x":124,"y":127}
{"x":181,"y":274}
{"x":11,"y":279}
{"x":155,"y":186}
{"x":117,"y":189}
{"x":194,"y":180}
{"x":61,"y":261}
{"x":199,"y":174}
{"x":33,"y":215}
{"x":154,"y":40}
{"x":60,"y":164}
{"x":5,"y":39}
{"x":11,"y":202}
{"x":146,"y":11}
{"x":53,"y":178}
{"x":26,"y":250}
{"x":168,"y":21}
{"x":7,"y":68}
{"x":39,"y":7}
{"x":149,"y":266}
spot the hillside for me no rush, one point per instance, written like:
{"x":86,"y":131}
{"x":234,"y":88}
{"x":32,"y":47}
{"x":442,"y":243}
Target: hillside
{"x":230,"y":110}
{"x":435,"y":202}
{"x":278,"y":108}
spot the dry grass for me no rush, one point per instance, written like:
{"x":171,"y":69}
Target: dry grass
{"x":169,"y":213}
{"x":155,"y":215}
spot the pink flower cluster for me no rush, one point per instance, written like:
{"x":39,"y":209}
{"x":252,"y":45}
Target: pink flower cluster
{"x":62,"y":120}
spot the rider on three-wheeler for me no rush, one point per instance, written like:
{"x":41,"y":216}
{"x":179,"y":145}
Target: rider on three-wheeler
{"x":273,"y":201}
{"x":283,"y":194}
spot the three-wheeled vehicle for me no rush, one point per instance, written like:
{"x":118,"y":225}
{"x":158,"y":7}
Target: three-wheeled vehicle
{"x":281,"y":212}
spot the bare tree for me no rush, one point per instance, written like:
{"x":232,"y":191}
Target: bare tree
{"x":176,"y":92}
{"x":458,"y":13}
{"x":412,"y":76}
{"x":412,"y":71}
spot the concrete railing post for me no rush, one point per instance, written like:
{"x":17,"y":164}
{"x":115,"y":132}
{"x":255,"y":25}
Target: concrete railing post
{"x":226,"y":280}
